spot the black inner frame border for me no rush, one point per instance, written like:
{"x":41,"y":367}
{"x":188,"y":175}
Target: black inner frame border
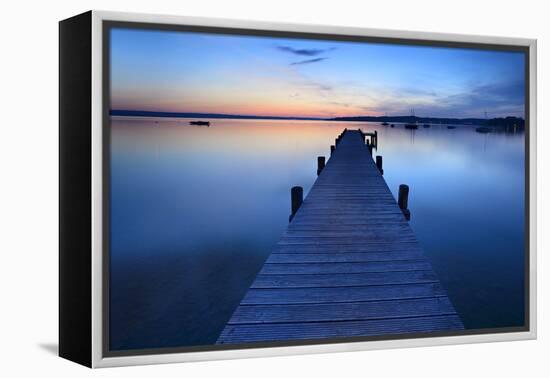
{"x":107,"y":26}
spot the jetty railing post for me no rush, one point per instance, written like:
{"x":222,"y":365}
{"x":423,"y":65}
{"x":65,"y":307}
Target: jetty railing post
{"x":320,"y":164}
{"x":369,"y":146}
{"x":296,"y":199}
{"x":379,"y":163}
{"x":332,"y":148}
{"x":376,"y":139}
{"x":403,"y":200}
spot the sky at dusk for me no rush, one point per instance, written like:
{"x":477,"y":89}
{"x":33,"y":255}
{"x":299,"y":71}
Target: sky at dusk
{"x":213,"y":73}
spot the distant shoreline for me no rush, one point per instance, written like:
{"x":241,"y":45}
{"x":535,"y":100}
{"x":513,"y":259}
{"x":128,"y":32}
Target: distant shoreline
{"x":145,"y":113}
{"x":508,"y":121}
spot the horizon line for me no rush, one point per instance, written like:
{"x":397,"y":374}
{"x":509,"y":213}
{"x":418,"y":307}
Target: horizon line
{"x":261,"y":116}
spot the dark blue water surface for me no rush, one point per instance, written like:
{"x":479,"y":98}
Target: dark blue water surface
{"x":195,"y":212}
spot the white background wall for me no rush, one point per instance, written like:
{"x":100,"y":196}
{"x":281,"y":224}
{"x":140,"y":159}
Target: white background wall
{"x":28,"y":200}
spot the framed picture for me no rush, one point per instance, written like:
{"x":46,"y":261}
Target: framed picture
{"x":232,"y":189}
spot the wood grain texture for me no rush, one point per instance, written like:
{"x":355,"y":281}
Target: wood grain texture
{"x":347,"y":265}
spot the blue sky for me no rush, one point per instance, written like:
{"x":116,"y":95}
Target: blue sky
{"x":213,"y":73}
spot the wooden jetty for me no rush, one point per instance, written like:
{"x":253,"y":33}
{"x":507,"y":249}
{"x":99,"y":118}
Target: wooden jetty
{"x":348,"y":264}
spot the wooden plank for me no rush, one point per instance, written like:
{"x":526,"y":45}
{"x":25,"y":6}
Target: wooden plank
{"x":342,"y":311}
{"x":347,"y":265}
{"x":358,"y":242}
{"x":342,"y":257}
{"x":356,"y":233}
{"x":346,"y":279}
{"x":344,"y":241}
{"x":250,"y":333}
{"x":345,"y":247}
{"x":342,"y":294}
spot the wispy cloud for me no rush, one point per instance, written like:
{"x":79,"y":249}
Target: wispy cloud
{"x":308,"y":61}
{"x":304,"y":52}
{"x":500,"y":98}
{"x":340,"y":104}
{"x":312,"y":84}
{"x":411,"y":91}
{"x":495,"y":98}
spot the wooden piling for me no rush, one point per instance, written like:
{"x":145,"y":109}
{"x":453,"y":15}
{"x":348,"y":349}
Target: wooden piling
{"x":403,"y":200}
{"x":379,"y":164}
{"x":320,"y":164}
{"x":296,"y":199}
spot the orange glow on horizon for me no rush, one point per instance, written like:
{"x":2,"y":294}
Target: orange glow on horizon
{"x":289,"y":109}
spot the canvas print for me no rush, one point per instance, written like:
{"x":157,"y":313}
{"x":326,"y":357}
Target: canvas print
{"x":286,"y":189}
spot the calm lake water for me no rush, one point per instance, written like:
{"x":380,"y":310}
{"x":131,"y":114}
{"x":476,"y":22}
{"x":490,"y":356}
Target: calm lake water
{"x":196,"y":210}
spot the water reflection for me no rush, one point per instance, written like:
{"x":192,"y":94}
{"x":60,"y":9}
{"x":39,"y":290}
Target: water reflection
{"x":196,"y":210}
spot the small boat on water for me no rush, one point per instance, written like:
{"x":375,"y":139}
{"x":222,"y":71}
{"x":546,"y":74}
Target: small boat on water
{"x":483,"y":130}
{"x":200,"y":123}
{"x":412,"y":125}
{"x":385,"y":123}
{"x":451,"y":127}
{"x":392,"y":125}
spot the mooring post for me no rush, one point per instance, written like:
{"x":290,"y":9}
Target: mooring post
{"x":296,"y":199}
{"x":379,"y":163}
{"x":376,"y":139}
{"x":320,"y":164}
{"x":403,"y":200}
{"x":332,"y":148}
